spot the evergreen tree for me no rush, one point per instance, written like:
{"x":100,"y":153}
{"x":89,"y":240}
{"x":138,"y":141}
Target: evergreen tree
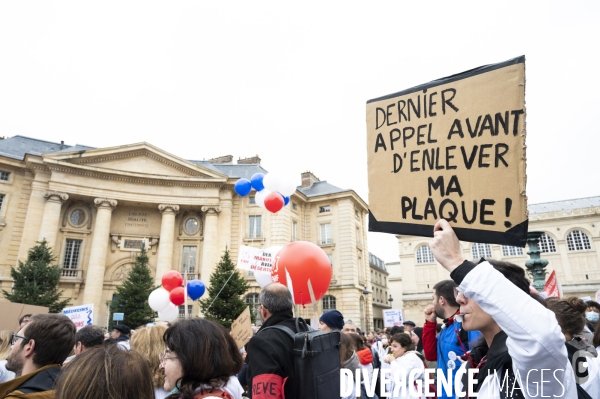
{"x":229,"y":304}
{"x":132,"y":295}
{"x":36,"y":281}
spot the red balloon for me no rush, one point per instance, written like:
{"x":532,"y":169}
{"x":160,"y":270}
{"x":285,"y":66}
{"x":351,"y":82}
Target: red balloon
{"x":171,"y":280}
{"x":177,"y":296}
{"x":274,"y":202}
{"x":304,"y":262}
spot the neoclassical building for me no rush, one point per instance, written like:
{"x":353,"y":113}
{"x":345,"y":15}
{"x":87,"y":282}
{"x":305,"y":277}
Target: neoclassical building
{"x":571,"y":244}
{"x":97,"y":207}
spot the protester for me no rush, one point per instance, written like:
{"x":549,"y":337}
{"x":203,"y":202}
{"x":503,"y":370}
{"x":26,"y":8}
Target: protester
{"x":452,"y":342}
{"x":201,"y":360}
{"x":523,"y":337}
{"x":87,"y":338}
{"x":365,"y":358}
{"x":37,"y":352}
{"x":409,"y":326}
{"x":120,"y":333}
{"x":350,"y":328}
{"x":23,"y":320}
{"x":570,"y":314}
{"x":106,"y":372}
{"x":270,"y":352}
{"x":331,"y":321}
{"x":403,"y":360}
{"x":148,"y":342}
{"x":349,"y":360}
{"x":5,"y":375}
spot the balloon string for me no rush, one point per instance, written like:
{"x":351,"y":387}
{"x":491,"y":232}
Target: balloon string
{"x":213,"y":301}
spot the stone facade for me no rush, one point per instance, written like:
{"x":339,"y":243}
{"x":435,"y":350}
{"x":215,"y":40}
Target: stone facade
{"x":97,"y":207}
{"x":572,"y":247}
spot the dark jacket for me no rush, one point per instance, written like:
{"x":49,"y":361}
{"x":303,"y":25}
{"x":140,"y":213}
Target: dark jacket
{"x":36,"y":385}
{"x":270,"y":360}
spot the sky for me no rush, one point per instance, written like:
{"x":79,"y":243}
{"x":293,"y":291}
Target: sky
{"x":289,"y":81}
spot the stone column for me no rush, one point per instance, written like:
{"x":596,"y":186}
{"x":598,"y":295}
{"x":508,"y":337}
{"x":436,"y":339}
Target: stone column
{"x":94,"y":279}
{"x":51,"y":218}
{"x":164,"y":262}
{"x":210,"y":250}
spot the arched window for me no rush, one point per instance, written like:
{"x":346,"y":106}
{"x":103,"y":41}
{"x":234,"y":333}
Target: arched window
{"x":578,"y":241}
{"x":481,"y":251}
{"x":508,"y":250}
{"x":547,"y":244}
{"x":328,"y":302}
{"x":424,"y":255}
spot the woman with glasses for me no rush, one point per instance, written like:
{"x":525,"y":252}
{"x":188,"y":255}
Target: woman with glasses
{"x":148,"y":342}
{"x":201,"y":361}
{"x":5,"y":341}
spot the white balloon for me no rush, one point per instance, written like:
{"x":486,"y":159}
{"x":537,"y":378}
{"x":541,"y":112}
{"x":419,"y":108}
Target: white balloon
{"x":159,"y":299}
{"x":287,"y":186}
{"x":170,"y":313}
{"x":263,"y":278}
{"x":272,"y":181}
{"x":259,"y":198}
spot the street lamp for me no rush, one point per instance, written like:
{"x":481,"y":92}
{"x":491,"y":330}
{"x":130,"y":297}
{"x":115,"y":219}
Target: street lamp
{"x":390,"y":300}
{"x":366,"y":294}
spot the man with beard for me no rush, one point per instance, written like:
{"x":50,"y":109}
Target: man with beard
{"x":37,"y":351}
{"x":453,"y":341}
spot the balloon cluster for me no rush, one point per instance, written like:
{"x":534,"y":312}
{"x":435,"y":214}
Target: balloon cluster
{"x":272,"y":190}
{"x":165,"y":300}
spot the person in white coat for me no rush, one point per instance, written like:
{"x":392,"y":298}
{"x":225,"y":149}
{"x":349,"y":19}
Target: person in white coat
{"x":526,"y":345}
{"x":407,"y":368}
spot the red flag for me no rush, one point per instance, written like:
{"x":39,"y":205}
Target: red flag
{"x":552,"y":287}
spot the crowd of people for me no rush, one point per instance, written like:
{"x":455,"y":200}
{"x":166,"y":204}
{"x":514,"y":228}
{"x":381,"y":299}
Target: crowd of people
{"x":487,"y":334}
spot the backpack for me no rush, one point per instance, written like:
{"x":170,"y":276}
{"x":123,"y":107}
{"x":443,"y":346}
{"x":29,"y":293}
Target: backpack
{"x":316,"y":360}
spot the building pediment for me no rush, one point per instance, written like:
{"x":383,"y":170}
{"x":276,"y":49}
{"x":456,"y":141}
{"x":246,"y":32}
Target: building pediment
{"x":140,"y":160}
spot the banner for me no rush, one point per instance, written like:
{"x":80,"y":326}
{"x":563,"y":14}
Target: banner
{"x":11,"y":313}
{"x":552,"y":287}
{"x":392,"y":317}
{"x":81,"y":315}
{"x":255,"y":259}
{"x":453,"y":148}
{"x":241,"y":328}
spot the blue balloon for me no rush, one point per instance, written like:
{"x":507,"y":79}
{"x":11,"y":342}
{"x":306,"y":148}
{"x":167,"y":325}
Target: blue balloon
{"x":195,"y":289}
{"x":257,"y":181}
{"x":242,"y":187}
{"x":286,"y":200}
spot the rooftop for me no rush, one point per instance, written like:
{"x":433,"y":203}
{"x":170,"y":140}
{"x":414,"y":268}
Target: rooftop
{"x":565,"y":205}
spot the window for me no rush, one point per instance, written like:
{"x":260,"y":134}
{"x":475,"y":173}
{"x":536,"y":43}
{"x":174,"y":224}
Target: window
{"x":1,"y":200}
{"x":424,"y":255}
{"x":254,"y":230}
{"x":578,"y":241}
{"x":4,"y":176}
{"x":547,"y":244}
{"x":361,"y":272}
{"x":324,"y":209}
{"x":330,"y":257}
{"x":508,"y":250}
{"x":356,"y":213}
{"x":358,"y":237}
{"x":252,"y":301}
{"x":191,"y":226}
{"x":182,"y":312}
{"x":252,"y":200}
{"x":294,"y":206}
{"x":326,"y":234}
{"x":188,"y":259}
{"x":481,"y":251}
{"x":77,"y":217}
{"x":294,"y":231}
{"x":328,"y":302}
{"x":72,"y":250}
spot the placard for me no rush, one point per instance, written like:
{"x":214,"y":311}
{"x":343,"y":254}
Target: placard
{"x":81,"y":315}
{"x":255,"y":259}
{"x":392,"y":317}
{"x":241,"y":328}
{"x":453,"y":148}
{"x":11,"y":313}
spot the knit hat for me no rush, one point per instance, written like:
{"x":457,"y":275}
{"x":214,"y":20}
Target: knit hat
{"x":333,"y":319}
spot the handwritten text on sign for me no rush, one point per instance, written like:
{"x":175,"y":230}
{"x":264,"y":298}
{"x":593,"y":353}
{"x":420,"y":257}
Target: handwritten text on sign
{"x":81,"y":315}
{"x":255,"y":259}
{"x":451,"y":149}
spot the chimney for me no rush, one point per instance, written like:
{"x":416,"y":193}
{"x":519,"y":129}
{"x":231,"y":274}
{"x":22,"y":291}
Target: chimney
{"x":308,"y":179}
{"x":223,"y":159}
{"x":249,"y":161}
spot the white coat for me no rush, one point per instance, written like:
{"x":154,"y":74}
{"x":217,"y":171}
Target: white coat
{"x":409,"y":361}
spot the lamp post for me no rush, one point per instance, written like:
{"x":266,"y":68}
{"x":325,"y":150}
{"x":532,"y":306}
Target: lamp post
{"x":536,"y":266}
{"x":390,"y":300}
{"x":366,"y":294}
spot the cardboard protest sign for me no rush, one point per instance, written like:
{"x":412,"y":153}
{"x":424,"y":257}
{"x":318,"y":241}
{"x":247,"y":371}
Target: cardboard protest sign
{"x":453,"y":148}
{"x":11,"y":313}
{"x":255,"y":259}
{"x":241,"y":328}
{"x":81,"y":315}
{"x":392,"y":317}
